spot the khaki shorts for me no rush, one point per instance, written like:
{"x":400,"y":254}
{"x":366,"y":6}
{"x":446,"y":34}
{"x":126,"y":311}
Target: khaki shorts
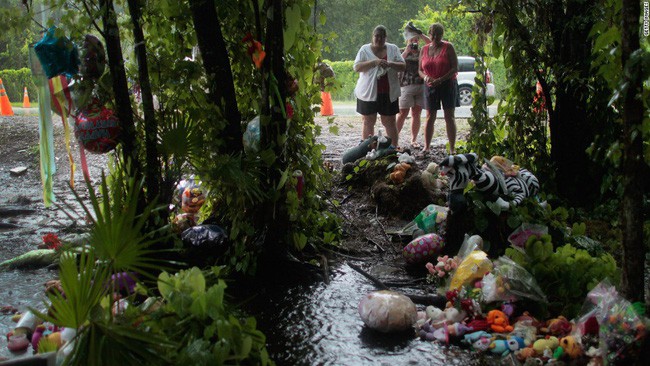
{"x":411,"y":95}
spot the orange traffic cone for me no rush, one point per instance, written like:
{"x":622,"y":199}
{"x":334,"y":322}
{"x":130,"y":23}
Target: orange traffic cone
{"x":5,"y":105}
{"x":26,"y":99}
{"x":326,"y":108}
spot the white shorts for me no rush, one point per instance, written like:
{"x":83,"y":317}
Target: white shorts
{"x":411,"y":95}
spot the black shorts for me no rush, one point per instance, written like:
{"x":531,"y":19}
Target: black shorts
{"x":383,"y":106}
{"x":445,"y":93}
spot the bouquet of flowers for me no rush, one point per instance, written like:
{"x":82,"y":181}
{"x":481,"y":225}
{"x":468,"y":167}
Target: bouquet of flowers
{"x":443,"y":269}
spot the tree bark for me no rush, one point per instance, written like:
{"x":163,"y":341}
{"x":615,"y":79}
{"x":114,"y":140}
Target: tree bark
{"x":120,"y":86}
{"x":152,"y":167}
{"x":275,"y":76}
{"x":577,"y":177}
{"x":217,"y":68}
{"x":632,"y":280}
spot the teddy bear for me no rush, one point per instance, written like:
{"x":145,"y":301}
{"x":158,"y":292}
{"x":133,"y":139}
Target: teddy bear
{"x":499,"y":321}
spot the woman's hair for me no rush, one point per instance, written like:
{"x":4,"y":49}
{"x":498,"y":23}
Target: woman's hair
{"x":380,"y":28}
{"x":436,"y":28}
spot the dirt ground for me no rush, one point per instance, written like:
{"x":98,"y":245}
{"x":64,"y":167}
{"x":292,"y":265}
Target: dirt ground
{"x":24,"y":219}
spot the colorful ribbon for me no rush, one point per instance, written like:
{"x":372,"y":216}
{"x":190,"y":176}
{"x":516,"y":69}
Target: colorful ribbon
{"x":46,"y":141}
{"x":63,"y":103}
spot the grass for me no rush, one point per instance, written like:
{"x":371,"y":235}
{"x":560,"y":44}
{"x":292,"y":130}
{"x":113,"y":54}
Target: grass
{"x":20,"y":104}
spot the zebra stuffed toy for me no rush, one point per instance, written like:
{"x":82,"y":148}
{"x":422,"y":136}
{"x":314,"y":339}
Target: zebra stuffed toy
{"x":492,"y":181}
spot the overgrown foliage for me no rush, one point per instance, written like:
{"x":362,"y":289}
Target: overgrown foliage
{"x":191,"y":127}
{"x":565,"y":274}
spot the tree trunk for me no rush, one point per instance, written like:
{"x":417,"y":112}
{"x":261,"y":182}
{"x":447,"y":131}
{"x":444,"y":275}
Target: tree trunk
{"x":632,"y":280}
{"x":275,"y":211}
{"x":120,"y":86}
{"x":577,"y":178}
{"x":152,"y":167}
{"x":217,"y":68}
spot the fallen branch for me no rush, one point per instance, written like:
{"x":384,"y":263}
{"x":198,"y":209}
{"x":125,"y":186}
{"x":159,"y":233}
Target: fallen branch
{"x":434,"y":300}
{"x":326,"y":276}
{"x":339,"y":251}
{"x":367,"y":275}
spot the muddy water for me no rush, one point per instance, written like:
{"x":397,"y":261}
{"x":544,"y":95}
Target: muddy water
{"x":314,"y":323}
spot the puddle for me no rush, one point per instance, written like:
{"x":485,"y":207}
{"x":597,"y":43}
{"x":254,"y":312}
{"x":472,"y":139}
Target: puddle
{"x":318,"y":324}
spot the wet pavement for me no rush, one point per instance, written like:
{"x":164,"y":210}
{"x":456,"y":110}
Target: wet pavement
{"x":24,"y":219}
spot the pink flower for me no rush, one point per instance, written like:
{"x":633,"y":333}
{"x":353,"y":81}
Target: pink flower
{"x":430,"y":268}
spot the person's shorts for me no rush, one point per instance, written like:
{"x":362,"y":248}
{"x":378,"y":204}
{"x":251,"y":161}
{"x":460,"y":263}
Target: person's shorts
{"x":446,"y":93}
{"x":412,"y":95}
{"x":383,"y":106}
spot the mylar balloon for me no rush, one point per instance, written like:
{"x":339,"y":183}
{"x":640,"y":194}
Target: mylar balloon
{"x":93,"y":57}
{"x":97,"y":128}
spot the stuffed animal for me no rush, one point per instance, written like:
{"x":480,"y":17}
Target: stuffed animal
{"x":571,"y":347}
{"x":399,"y":173}
{"x":470,"y":338}
{"x":353,"y":154}
{"x":499,"y":321}
{"x":559,"y":327}
{"x":547,"y":344}
{"x":443,"y":333}
{"x":497,"y":179}
{"x":504,"y":346}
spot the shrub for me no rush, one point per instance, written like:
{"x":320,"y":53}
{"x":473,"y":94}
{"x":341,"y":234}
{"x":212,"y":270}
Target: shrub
{"x":346,"y":79}
{"x":565,"y":274}
{"x":15,"y":81}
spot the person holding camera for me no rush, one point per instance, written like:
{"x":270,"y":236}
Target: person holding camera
{"x":412,"y":85}
{"x":438,"y":68}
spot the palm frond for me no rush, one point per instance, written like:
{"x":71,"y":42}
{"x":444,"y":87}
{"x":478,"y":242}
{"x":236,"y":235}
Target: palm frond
{"x":117,"y":344}
{"x":118,"y":234}
{"x":83,"y":289}
{"x":179,"y":137}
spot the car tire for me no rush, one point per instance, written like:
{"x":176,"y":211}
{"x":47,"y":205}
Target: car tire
{"x":465,"y":95}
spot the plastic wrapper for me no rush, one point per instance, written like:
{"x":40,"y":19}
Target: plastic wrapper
{"x":251,"y":138}
{"x":510,"y":282}
{"x":473,"y":267}
{"x":432,"y":219}
{"x":387,"y":311}
{"x":189,"y":195}
{"x":523,"y":232}
{"x":622,"y":330}
{"x":470,"y":244}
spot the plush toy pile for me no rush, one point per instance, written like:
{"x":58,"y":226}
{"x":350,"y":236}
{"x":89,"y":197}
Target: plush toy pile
{"x":484,"y":295}
{"x":610,"y":330}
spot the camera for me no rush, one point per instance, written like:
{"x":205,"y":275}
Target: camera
{"x":414,"y":46}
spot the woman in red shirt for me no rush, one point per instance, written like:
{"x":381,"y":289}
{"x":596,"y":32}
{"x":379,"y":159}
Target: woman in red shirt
{"x":438,"y":67}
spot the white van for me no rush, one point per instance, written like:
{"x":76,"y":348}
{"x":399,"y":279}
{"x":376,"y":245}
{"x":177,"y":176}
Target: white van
{"x":465,"y":78}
